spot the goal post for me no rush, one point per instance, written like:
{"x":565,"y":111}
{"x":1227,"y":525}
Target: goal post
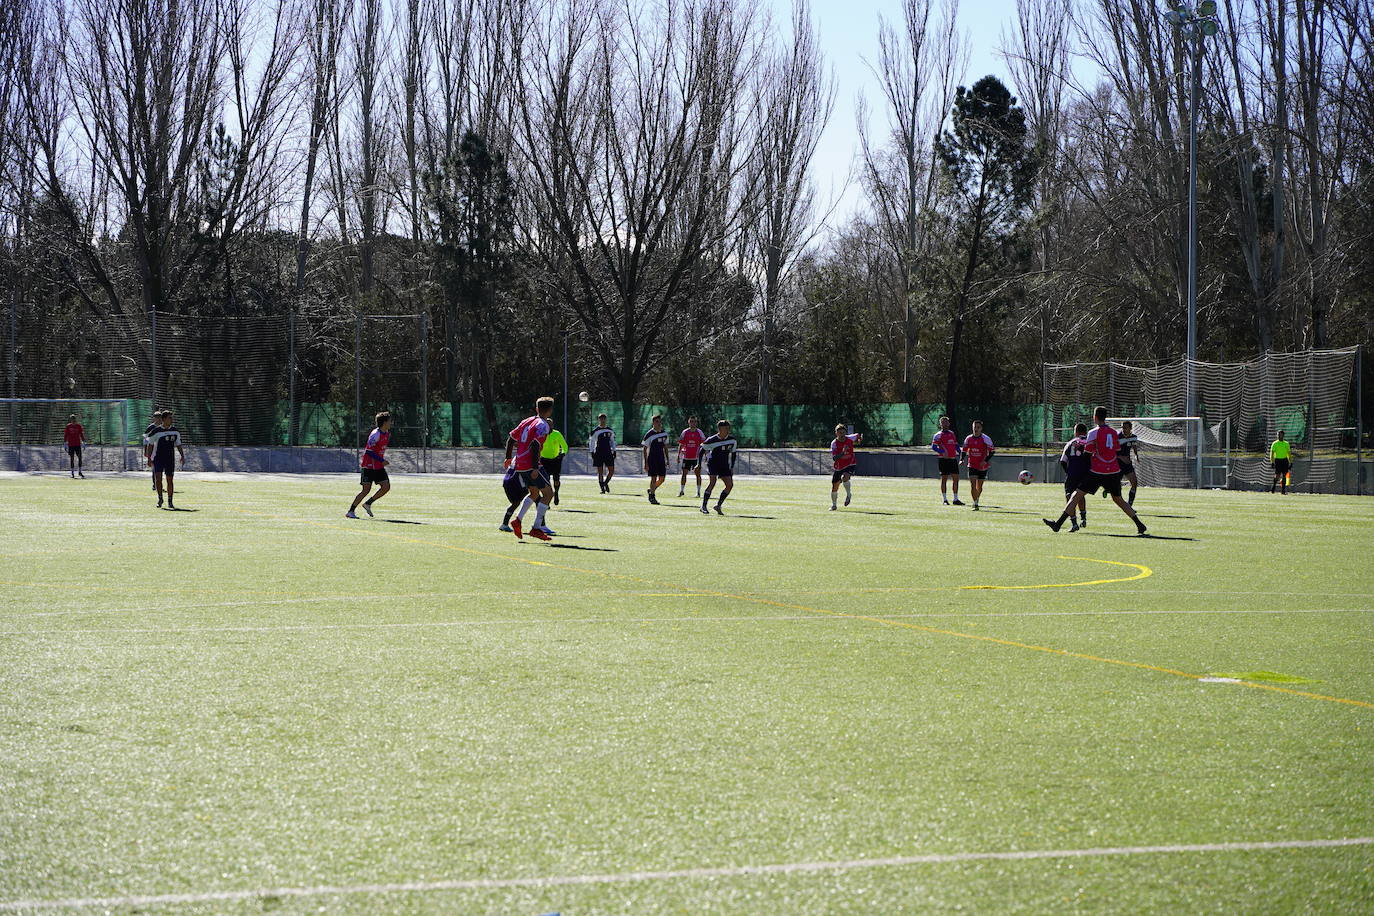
{"x":36,"y":422}
{"x":1180,"y":451}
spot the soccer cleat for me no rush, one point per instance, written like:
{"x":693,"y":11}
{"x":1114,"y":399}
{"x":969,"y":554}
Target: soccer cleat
{"x":705,"y":511}
{"x":349,"y":514}
{"x":848,"y":499}
{"x":1083,"y":522}
{"x":515,"y":527}
{"x":832,"y":507}
{"x":81,"y":475}
{"x":539,"y":535}
{"x":159,"y":502}
{"x":1074,"y":524}
{"x":173,"y":508}
{"x":555,"y":499}
{"x":717,"y":508}
{"x":1053,"y":526}
{"x":504,"y":528}
{"x":945,"y":501}
{"x":653,"y":500}
{"x":368,"y":510}
{"x":546,"y":529}
{"x":1140,"y":527}
{"x":975,"y":507}
{"x":956,"y":502}
{"x":682,"y":492}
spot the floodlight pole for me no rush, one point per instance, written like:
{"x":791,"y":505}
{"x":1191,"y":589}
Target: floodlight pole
{"x":1190,"y":369}
{"x":567,"y":430}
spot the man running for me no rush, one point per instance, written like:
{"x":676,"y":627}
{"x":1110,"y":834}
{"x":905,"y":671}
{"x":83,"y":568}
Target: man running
{"x":551,"y":460}
{"x":522,"y":455}
{"x":1281,"y":459}
{"x":374,"y":466}
{"x":165,"y":442}
{"x":655,"y":446}
{"x":1103,"y":473}
{"x":1076,"y":463}
{"x":842,"y":455}
{"x":720,"y":451}
{"x":978,"y":452}
{"x":601,"y":445}
{"x":946,"y":445}
{"x":74,"y":435}
{"x":689,"y":454}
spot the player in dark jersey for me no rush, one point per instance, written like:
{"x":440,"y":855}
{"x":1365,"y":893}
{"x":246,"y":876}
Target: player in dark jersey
{"x":148,"y":431}
{"x":1076,"y":463}
{"x":515,"y":494}
{"x":1126,"y":458}
{"x":720,"y":452}
{"x":655,"y":446}
{"x":166,"y":444}
{"x":1104,"y":473}
{"x":601,"y":444}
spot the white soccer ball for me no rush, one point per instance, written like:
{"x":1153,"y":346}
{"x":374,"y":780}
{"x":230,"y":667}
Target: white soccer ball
{"x":584,"y":397}
{"x":1026,"y":477}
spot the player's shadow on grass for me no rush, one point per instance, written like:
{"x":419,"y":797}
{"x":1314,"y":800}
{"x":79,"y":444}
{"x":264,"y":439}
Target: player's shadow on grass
{"x":1157,"y":515}
{"x":1137,"y":537}
{"x":866,"y":512}
{"x":771,"y":518}
{"x":178,"y":509}
{"x":580,"y":547}
{"x":399,"y":521}
{"x":1006,"y":511}
{"x":574,"y":511}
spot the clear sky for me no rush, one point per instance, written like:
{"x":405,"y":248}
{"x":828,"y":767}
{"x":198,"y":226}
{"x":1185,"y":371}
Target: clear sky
{"x":848,"y":32}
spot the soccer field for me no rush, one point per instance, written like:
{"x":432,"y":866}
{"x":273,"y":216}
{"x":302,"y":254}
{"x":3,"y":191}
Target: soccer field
{"x":258,"y":705}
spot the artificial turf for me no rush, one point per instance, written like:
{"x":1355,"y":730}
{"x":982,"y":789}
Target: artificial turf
{"x":260,"y":694}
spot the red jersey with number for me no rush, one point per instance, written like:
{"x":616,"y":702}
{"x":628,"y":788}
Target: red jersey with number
{"x":690,"y":441}
{"x":946,"y":443}
{"x":842,"y":451}
{"x":74,"y":435}
{"x":978,"y":449}
{"x":529,"y":439}
{"x":1102,"y":444}
{"x":375,"y":455}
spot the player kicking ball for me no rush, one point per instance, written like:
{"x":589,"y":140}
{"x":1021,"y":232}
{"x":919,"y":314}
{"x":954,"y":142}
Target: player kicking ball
{"x":842,"y":454}
{"x":1104,"y":473}
{"x":374,"y":466}
{"x":523,"y":446}
{"x":946,"y":445}
{"x":978,"y":452}
{"x":720,"y":451}
{"x":655,"y":446}
{"x":689,"y":454}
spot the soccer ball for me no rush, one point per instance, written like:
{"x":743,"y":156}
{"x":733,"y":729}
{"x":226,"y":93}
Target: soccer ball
{"x":584,"y":397}
{"x":1025,"y":477}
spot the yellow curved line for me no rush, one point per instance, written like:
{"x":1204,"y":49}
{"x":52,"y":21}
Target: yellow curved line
{"x":1145,"y":573}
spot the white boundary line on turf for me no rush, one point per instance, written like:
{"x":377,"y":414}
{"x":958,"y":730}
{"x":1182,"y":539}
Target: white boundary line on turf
{"x":728,"y":871}
{"x":544,"y":621}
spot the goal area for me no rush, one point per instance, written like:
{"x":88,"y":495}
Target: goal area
{"x":33,"y":427}
{"x":1311,"y":396}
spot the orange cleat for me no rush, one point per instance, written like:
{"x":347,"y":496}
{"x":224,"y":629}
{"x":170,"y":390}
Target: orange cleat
{"x":515,"y":526}
{"x":536,"y":533}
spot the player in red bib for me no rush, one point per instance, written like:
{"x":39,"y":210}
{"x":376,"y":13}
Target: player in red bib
{"x":523,"y":446}
{"x":978,"y":452}
{"x":374,"y":466}
{"x":946,"y":445}
{"x":1104,"y":472}
{"x":842,"y":454}
{"x":689,"y":454}
{"x":75,"y":437}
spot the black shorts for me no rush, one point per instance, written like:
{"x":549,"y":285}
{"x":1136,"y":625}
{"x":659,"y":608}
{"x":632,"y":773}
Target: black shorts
{"x":1282,"y":465}
{"x":374,"y":475}
{"x":553,"y":467}
{"x":74,"y":450}
{"x":975,"y":474}
{"x":690,"y":463}
{"x":600,"y":462}
{"x":1073,"y":483}
{"x":656,"y":466}
{"x":1126,"y":467}
{"x":840,"y":475}
{"x":534,"y":478}
{"x":166,"y":466}
{"x":514,"y":491}
{"x":1109,"y":484}
{"x":723,"y":473}
{"x":949,"y":465}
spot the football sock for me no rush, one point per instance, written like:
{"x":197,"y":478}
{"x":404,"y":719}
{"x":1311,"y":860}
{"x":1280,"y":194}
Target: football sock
{"x":848,"y":489}
{"x":1130,"y":497}
{"x":722,"y":498}
{"x":539,"y":514}
{"x":834,"y":495}
{"x":524,"y":507}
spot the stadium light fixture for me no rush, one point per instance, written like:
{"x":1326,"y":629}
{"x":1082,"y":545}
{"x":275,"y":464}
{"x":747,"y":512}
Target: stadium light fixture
{"x":1194,"y":23}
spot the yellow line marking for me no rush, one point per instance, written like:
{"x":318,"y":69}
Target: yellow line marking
{"x":1145,"y":573}
{"x":978,"y":637}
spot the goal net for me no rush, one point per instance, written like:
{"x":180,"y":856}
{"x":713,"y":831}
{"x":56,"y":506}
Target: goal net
{"x":36,"y":426}
{"x":1241,"y":407}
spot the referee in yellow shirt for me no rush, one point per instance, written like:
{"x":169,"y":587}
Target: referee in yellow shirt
{"x":1281,"y":457}
{"x":551,"y":459}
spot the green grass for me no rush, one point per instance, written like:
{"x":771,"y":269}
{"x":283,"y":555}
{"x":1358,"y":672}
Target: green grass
{"x":261,"y":694}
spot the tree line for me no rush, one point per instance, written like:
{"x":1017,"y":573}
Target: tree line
{"x":636,"y":179}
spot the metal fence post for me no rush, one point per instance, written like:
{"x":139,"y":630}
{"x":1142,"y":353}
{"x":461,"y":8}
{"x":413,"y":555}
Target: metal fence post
{"x":291,"y":376}
{"x":1359,"y":419}
{"x":358,"y":382}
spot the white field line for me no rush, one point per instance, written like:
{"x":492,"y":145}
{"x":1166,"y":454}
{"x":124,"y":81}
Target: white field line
{"x":546,"y":621}
{"x":728,"y":871}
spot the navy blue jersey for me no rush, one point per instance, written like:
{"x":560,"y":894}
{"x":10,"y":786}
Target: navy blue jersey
{"x":1075,"y":461}
{"x":657,"y":444}
{"x":1125,"y":450}
{"x":165,"y":442}
{"x":602,"y":442}
{"x":720,"y":454}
